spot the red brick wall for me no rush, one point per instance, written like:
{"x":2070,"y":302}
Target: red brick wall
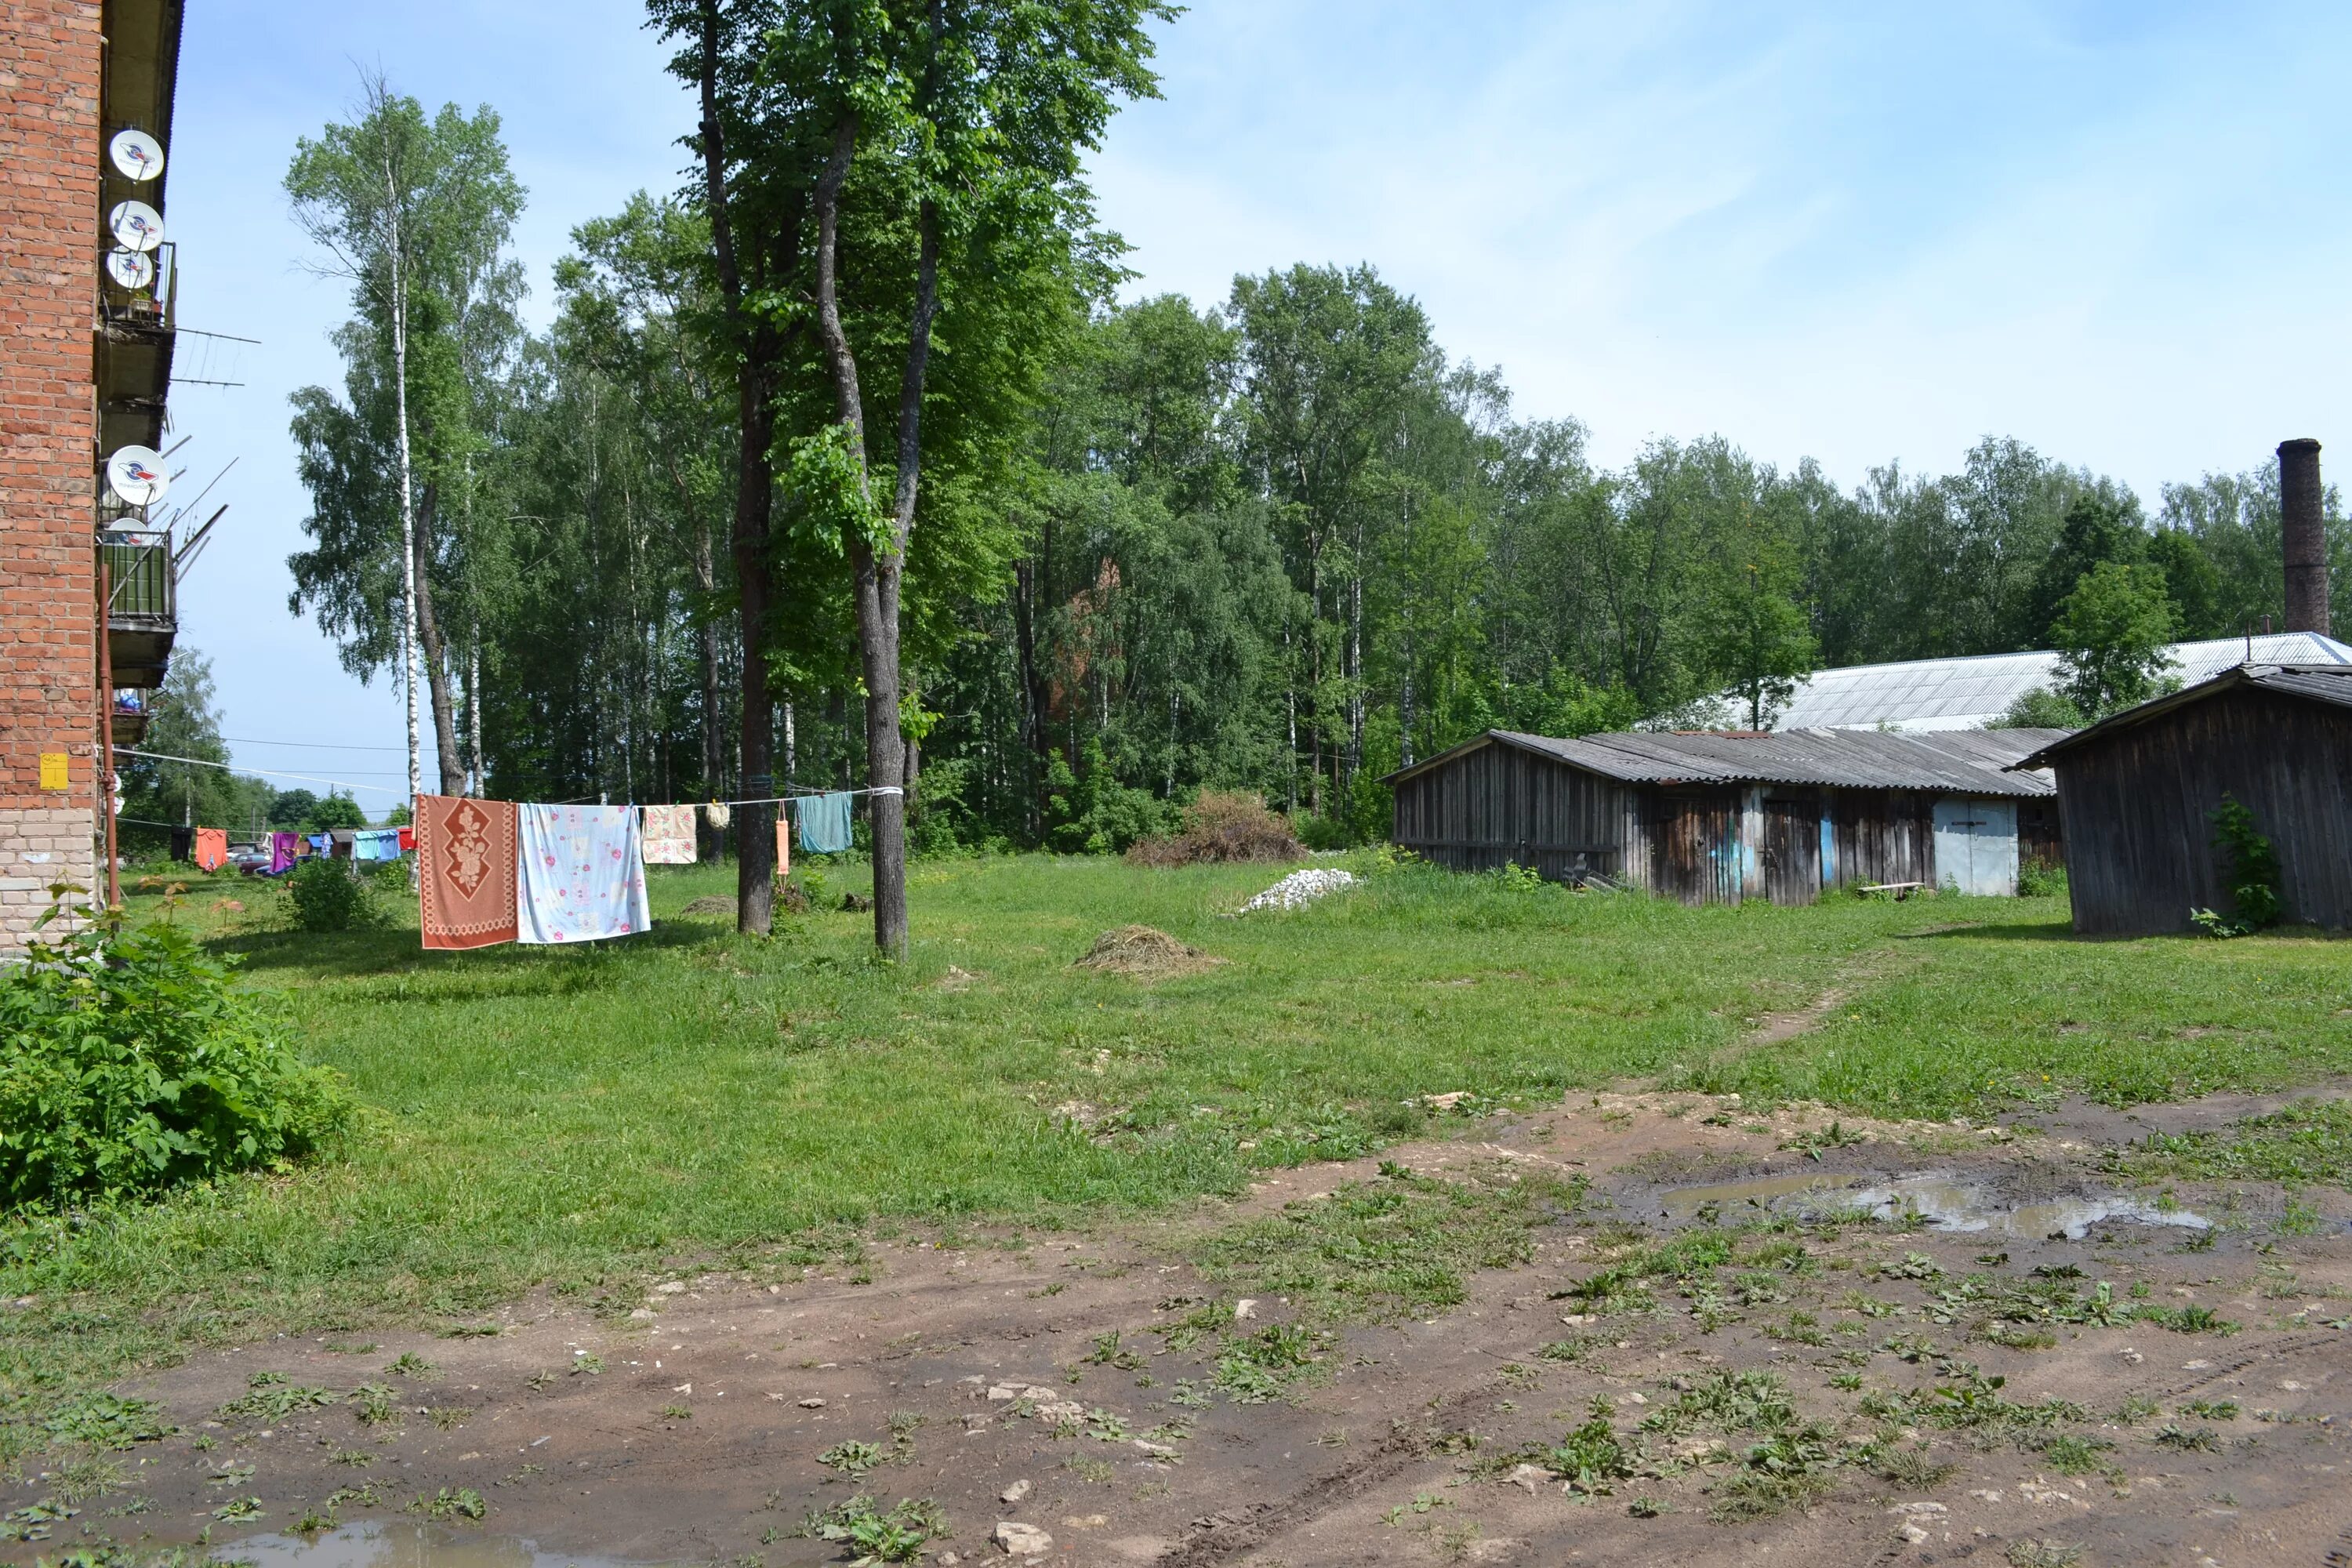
{"x":49,"y":228}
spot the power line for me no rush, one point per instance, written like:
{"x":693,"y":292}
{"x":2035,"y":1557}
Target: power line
{"x":308,"y":745}
{"x":257,"y":773}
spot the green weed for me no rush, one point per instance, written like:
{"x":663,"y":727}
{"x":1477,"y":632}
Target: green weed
{"x":1388,"y":1248}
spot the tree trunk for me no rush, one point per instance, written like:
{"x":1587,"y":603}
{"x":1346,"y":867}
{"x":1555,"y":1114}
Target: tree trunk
{"x":450,"y":760}
{"x":755,"y":865}
{"x":407,"y":490}
{"x":476,"y":772}
{"x":706,"y":584}
{"x":1036,"y":744}
{"x":1404,"y":701}
{"x":875,"y":571}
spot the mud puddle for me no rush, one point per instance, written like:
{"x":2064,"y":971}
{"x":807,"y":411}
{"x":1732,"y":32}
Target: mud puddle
{"x":1944,"y":1200}
{"x":377,"y":1543}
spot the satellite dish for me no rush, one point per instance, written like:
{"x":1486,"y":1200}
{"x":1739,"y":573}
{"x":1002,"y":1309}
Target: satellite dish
{"x":137,"y":475}
{"x":137,"y":154}
{"x":136,"y":226}
{"x":134,"y":269}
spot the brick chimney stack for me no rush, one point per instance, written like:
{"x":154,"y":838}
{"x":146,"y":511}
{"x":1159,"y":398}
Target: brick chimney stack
{"x":2304,"y":539}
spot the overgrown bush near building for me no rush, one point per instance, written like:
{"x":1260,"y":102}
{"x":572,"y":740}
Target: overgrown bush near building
{"x":130,"y":1064}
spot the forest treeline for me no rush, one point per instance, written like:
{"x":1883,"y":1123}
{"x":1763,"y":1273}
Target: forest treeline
{"x":1281,"y":541}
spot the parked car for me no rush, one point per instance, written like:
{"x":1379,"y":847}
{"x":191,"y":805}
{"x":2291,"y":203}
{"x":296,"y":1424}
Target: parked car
{"x":251,"y":859}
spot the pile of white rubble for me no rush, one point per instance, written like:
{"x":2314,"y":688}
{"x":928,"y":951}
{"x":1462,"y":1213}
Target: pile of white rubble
{"x":1298,"y":889}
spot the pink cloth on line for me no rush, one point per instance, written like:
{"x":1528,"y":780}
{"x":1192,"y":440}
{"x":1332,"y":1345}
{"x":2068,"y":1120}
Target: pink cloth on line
{"x":281,"y":852}
{"x":670,"y":836}
{"x":583,"y":873}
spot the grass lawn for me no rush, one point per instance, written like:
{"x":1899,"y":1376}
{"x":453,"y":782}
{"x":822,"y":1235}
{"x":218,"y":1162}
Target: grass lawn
{"x":570,"y":1116}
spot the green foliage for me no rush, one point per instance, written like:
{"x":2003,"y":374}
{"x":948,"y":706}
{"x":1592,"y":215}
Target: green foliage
{"x":1388,"y":1249}
{"x":2041,"y":878}
{"x":329,"y":895}
{"x":2110,"y":632}
{"x":2307,"y":1141}
{"x":107,"y":1421}
{"x":877,"y":1536}
{"x":2099,"y":528}
{"x":2255,"y":873}
{"x":182,"y":723}
{"x":131,"y":1065}
{"x":335,"y":811}
{"x":1088,"y":811}
{"x":2042,"y":708}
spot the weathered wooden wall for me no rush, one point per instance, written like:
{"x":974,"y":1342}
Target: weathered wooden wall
{"x":1704,"y":844}
{"x":1692,"y":842}
{"x":2137,"y":807}
{"x":1882,"y":836}
{"x":1498,"y":805}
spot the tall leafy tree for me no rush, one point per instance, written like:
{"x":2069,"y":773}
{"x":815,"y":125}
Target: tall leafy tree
{"x":952,"y":134}
{"x":416,"y":213}
{"x":2111,"y":632}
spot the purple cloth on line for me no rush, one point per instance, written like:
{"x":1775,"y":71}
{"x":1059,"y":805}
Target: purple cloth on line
{"x":281,"y":852}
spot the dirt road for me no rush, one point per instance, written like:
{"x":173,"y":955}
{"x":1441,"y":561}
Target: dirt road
{"x":1723,"y":1340}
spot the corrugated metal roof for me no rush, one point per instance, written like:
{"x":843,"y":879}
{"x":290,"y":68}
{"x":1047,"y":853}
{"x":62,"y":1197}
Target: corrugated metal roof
{"x":1971,"y":762}
{"x":1937,"y":694}
{"x":2330,"y":683}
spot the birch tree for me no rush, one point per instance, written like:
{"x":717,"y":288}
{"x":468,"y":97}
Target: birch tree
{"x":416,"y":214}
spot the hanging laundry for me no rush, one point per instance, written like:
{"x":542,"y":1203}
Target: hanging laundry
{"x":584,"y":874}
{"x":670,"y":836}
{"x":408,"y":838}
{"x":467,"y":870}
{"x":825,"y":823}
{"x":281,"y":853}
{"x":783,"y":847}
{"x":319,"y":843}
{"x":718,"y":815}
{"x":183,"y":842}
{"x":375,"y":843}
{"x":212,"y":848}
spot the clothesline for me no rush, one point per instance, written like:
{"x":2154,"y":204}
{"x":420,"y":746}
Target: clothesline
{"x":380,"y":789}
{"x":798,"y":795}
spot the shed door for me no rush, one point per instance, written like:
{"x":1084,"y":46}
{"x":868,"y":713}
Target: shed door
{"x":1792,"y":851}
{"x":1976,"y":845}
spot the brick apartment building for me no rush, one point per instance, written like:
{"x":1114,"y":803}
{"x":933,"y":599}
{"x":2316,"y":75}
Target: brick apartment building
{"x":84,"y":367}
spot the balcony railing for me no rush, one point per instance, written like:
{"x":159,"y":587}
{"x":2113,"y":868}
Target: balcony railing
{"x":139,"y":570}
{"x":154,"y":308}
{"x":142,"y":608}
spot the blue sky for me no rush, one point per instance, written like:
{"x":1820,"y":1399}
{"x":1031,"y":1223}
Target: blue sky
{"x":1854,"y":232}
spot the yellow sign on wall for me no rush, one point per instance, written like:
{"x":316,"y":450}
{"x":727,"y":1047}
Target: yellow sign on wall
{"x":53,"y":771}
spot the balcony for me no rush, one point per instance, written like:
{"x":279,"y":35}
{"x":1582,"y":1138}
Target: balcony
{"x":141,"y":609}
{"x":134,"y":336}
{"x":132,"y":710}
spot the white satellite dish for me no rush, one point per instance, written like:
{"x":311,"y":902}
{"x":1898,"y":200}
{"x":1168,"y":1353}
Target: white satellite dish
{"x":137,"y":154}
{"x":134,"y":269}
{"x":136,"y":226}
{"x":137,"y":475}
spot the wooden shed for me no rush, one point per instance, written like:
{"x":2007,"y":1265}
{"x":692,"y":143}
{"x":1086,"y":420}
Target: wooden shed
{"x":2137,"y":792}
{"x":1723,"y":816}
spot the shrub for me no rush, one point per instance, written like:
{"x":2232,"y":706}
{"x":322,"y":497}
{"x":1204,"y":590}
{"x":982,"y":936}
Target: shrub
{"x":129,"y":1064}
{"x":326,"y":896}
{"x":2253,"y":865}
{"x":2041,"y":878}
{"x":1220,"y":827}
